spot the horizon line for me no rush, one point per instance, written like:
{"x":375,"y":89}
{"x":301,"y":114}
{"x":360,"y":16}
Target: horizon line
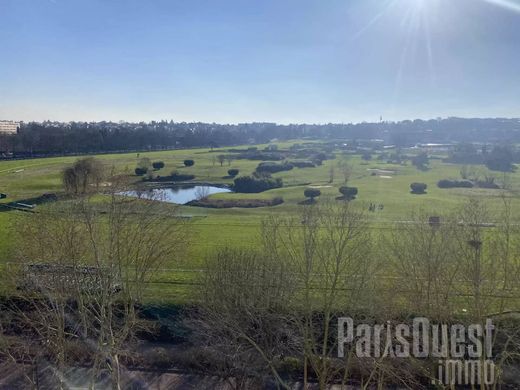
{"x":264,"y":122}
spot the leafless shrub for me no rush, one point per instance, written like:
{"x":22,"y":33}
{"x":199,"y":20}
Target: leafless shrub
{"x":82,"y":269}
{"x":425,"y":263}
{"x":201,"y":192}
{"x":242,"y":323}
{"x":82,"y":175}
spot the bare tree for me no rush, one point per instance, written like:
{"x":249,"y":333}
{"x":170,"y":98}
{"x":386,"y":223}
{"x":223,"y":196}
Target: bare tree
{"x":506,"y":182}
{"x":13,"y":350}
{"x":465,"y":172}
{"x":82,"y":175}
{"x":83,"y":266}
{"x":489,"y":254}
{"x":244,"y":295}
{"x":345,"y":169}
{"x":505,"y":247}
{"x":328,"y":249}
{"x":424,"y":260}
{"x":201,"y":192}
{"x":478,"y":281}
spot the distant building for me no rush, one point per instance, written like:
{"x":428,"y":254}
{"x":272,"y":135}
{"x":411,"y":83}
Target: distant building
{"x":432,"y":148}
{"x":8,"y":127}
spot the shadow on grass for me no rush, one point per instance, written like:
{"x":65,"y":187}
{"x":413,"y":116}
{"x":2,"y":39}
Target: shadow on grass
{"x":346,"y":198}
{"x":27,"y":204}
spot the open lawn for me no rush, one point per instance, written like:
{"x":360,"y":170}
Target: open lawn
{"x":214,"y":228}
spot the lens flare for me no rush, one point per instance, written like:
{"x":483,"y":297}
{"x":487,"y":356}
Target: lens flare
{"x":513,"y":5}
{"x":418,"y":20}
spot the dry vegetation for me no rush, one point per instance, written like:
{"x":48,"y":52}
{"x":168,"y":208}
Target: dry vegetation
{"x":276,"y":308}
{"x":79,"y":276}
{"x":265,"y":314}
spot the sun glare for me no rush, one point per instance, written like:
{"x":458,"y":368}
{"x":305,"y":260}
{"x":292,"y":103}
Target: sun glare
{"x":418,"y":19}
{"x":513,"y":5}
{"x":418,"y":4}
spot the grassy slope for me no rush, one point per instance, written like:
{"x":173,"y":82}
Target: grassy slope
{"x":216,"y":228}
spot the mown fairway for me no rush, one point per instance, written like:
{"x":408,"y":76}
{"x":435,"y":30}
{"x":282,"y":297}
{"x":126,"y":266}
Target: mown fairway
{"x":212,"y":228}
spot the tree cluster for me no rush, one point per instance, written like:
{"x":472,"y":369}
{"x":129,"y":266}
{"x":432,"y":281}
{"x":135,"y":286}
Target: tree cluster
{"x":46,"y":138}
{"x":251,"y":184}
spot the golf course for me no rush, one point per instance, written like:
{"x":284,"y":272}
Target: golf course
{"x":384,"y":195}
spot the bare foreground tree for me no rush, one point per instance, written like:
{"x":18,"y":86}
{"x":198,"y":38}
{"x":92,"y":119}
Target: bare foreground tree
{"x":425,"y":261}
{"x":82,"y":269}
{"x":464,"y":268}
{"x":280,"y":305}
{"x":329,"y":254}
{"x":272,"y":312}
{"x":242,"y":319}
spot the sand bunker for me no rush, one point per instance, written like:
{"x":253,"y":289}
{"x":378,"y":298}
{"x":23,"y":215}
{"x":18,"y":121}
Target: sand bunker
{"x":381,"y":171}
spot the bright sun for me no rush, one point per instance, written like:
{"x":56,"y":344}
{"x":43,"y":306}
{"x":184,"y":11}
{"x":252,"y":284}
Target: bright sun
{"x":417,"y":19}
{"x":418,"y":3}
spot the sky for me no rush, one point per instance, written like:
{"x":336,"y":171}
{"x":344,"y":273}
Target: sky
{"x":233,"y":61}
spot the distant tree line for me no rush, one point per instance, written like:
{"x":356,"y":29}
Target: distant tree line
{"x":499,"y":158}
{"x":36,"y":138}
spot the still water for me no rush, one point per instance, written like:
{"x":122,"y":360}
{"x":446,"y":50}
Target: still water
{"x":178,"y":194}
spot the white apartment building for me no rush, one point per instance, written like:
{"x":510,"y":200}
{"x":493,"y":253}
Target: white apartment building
{"x":9,"y":127}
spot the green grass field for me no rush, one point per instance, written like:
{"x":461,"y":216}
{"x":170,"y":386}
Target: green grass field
{"x":215,"y":228}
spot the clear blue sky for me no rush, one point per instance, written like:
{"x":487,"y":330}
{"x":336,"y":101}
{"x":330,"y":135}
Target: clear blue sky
{"x":284,"y":61}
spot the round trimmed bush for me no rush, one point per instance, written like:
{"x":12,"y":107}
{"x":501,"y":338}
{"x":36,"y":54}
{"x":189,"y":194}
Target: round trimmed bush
{"x":233,"y":172}
{"x":418,"y":188}
{"x":251,"y":184}
{"x":158,"y":165}
{"x":189,"y":163}
{"x":311,"y":193}
{"x":140,"y":171}
{"x":348,"y":192}
{"x":445,"y":183}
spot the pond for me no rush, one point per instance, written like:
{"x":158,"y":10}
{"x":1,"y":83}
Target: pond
{"x":178,"y":194}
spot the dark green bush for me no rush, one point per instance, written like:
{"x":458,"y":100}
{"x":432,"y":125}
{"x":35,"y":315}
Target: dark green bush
{"x":445,"y":183}
{"x":257,"y":155}
{"x":418,"y":188}
{"x":233,"y":172}
{"x":348,"y":192}
{"x":311,"y":193}
{"x":249,"y":184}
{"x":140,"y":171}
{"x":189,"y":163}
{"x":273,"y":167}
{"x":488,"y":183}
{"x":158,"y":165}
{"x":303,"y":164}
